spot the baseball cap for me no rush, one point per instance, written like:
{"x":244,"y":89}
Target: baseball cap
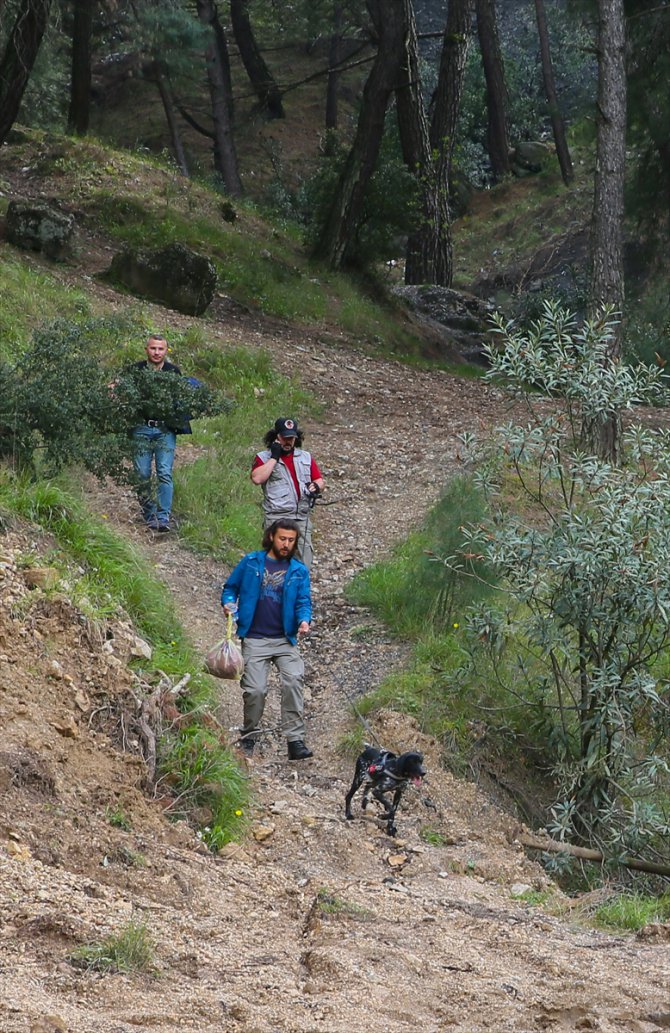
{"x":287,"y":427}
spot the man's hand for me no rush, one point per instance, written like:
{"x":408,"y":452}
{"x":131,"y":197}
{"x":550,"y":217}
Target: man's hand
{"x":303,"y":628}
{"x":276,"y":451}
{"x":229,"y":608}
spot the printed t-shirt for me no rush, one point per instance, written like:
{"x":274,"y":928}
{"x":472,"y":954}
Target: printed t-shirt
{"x":287,"y":459}
{"x":267,"y":622}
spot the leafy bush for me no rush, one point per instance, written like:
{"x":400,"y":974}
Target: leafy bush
{"x":585,"y":566}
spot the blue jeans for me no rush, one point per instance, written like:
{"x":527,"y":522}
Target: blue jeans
{"x":157,"y":444}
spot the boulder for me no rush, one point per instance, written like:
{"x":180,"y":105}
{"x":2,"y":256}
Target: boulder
{"x":174,"y":276}
{"x":462,"y":320}
{"x":529,"y":156}
{"x":37,"y":227}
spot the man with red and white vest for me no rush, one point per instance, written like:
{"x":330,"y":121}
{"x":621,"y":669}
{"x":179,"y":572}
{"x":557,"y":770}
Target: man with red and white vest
{"x":291,"y":481}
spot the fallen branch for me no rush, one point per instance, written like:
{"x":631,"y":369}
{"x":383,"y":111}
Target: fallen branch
{"x":553,"y":846}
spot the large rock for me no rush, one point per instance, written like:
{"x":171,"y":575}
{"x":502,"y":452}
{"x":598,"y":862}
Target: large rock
{"x":37,"y":227}
{"x":462,"y":320}
{"x":173,"y":276}
{"x":529,"y":157}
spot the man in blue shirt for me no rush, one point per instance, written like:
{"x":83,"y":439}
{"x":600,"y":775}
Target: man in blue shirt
{"x":270,"y":592}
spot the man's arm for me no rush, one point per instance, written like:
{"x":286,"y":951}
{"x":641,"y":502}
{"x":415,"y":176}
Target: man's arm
{"x":303,"y":603}
{"x":261,"y":472}
{"x":317,"y":478}
{"x":231,"y":589}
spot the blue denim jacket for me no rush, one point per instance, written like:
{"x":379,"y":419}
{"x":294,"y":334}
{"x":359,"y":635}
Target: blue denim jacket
{"x":244,"y":588}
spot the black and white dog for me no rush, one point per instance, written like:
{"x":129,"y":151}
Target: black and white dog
{"x":381,"y":772}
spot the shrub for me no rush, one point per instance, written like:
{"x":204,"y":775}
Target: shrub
{"x":582,"y":551}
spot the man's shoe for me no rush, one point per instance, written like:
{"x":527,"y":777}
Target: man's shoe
{"x":164,"y":528}
{"x":152,"y":524}
{"x":247,"y":746}
{"x":298,"y":751}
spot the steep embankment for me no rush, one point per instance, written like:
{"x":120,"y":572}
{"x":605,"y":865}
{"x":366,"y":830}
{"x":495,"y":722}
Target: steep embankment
{"x":314,"y":923}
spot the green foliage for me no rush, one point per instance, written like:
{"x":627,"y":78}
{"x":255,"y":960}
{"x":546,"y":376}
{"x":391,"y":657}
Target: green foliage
{"x":390,"y":205}
{"x":130,"y":950}
{"x":586,"y":570}
{"x":330,"y":904}
{"x":59,"y":407}
{"x":575,"y":73}
{"x":633,"y":911}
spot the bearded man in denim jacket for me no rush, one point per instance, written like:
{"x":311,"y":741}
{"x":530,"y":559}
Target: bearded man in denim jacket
{"x":269,"y":591}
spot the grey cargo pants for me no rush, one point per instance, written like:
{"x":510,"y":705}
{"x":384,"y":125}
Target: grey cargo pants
{"x":258,"y":654}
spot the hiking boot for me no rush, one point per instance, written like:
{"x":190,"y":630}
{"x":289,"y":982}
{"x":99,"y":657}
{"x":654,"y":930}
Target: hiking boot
{"x":298,"y":751}
{"x":152,"y":523}
{"x":246,"y":746}
{"x":164,"y":528}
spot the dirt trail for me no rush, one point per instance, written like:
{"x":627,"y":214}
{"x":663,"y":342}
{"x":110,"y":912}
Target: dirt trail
{"x":315,"y":924}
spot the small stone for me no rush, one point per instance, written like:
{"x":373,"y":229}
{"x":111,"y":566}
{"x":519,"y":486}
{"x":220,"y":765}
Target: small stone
{"x":41,"y":577}
{"x":396,"y":860}
{"x":141,"y":649}
{"x":262,"y":832}
{"x":519,"y":889}
{"x":233,"y":852}
{"x":67,"y":727}
{"x":82,"y":701}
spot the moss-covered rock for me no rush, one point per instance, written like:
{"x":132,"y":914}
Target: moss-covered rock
{"x":173,"y":275}
{"x":37,"y":227}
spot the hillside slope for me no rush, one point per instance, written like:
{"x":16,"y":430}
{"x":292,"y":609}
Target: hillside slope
{"x":314,"y":923}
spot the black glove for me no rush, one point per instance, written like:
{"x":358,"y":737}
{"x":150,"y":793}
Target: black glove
{"x":276,"y":451}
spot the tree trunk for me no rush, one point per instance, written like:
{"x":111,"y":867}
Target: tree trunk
{"x":216,"y":56}
{"x":18,"y":59}
{"x":155,"y":71}
{"x":496,"y":90}
{"x":80,"y":77}
{"x":607,"y":278}
{"x":451,"y":78}
{"x":557,"y":123}
{"x":428,"y":254}
{"x":333,"y":69}
{"x":260,"y":76}
{"x":339,"y":232}
{"x":429,"y":257}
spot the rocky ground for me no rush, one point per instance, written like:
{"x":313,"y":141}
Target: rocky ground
{"x":313,"y":923}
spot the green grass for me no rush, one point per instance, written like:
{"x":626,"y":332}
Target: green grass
{"x":431,"y":836}
{"x":117,"y":817}
{"x":413,"y":592}
{"x":330,"y":904}
{"x":215,"y":498}
{"x":30,"y":298}
{"x":633,"y":911}
{"x":130,"y":950}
